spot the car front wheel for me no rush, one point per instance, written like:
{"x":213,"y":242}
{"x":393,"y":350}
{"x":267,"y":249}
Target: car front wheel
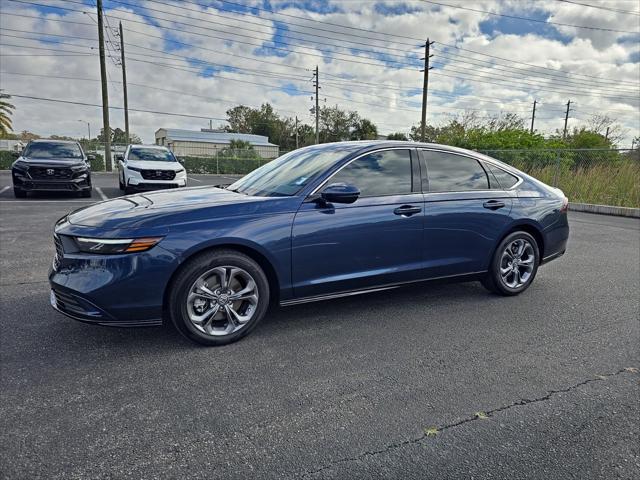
{"x":514,"y":265}
{"x":218,"y":297}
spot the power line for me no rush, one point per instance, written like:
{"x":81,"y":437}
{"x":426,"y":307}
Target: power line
{"x":510,"y":61}
{"x":600,"y":7}
{"x":527,"y":19}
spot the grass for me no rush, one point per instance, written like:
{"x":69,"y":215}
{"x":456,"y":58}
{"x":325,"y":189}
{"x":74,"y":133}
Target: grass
{"x":616,"y":183}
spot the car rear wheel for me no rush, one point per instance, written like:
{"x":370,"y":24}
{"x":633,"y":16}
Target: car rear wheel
{"x":218,"y":297}
{"x":19,"y":193}
{"x":514,"y":265}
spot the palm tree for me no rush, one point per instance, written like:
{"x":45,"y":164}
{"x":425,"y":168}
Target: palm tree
{"x":5,"y":112}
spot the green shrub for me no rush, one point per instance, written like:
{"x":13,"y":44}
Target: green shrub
{"x":97,"y":164}
{"x":6,"y":159}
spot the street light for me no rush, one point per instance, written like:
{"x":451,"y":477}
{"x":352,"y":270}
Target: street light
{"x":88,"y":128}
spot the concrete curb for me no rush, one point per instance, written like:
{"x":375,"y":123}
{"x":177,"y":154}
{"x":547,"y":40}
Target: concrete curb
{"x":605,"y":209}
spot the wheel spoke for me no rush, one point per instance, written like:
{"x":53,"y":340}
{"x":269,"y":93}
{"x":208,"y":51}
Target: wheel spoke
{"x":214,"y":291}
{"x":516,"y":277}
{"x":245,"y":293}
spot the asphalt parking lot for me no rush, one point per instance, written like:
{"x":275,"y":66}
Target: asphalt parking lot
{"x":350,"y":388}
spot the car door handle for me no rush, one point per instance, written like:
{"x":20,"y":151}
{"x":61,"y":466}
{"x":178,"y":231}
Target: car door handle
{"x":407,"y":210}
{"x":493,"y":204}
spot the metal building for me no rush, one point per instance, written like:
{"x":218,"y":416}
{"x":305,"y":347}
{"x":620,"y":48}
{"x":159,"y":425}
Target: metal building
{"x":209,"y":143}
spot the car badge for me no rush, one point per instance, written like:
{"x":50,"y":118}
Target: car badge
{"x":158,"y":172}
{"x":50,"y":171}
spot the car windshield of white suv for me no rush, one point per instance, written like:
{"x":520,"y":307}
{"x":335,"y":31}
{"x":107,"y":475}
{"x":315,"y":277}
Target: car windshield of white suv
{"x":52,"y":150}
{"x":151,"y":155}
{"x":290,"y":173}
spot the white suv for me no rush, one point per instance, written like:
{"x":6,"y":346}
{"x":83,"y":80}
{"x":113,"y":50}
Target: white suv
{"x":149,"y":167}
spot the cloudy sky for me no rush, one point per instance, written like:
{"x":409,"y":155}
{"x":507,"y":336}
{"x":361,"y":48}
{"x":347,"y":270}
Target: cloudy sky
{"x":197,"y":58}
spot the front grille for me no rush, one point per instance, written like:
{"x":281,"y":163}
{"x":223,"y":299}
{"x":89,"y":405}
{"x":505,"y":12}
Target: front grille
{"x":57,"y":258}
{"x":50,"y":173}
{"x":155,"y":186}
{"x":158,"y":174}
{"x":51,"y":186}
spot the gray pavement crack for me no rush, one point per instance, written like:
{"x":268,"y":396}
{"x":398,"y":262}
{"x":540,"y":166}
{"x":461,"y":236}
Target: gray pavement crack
{"x":488,"y":413}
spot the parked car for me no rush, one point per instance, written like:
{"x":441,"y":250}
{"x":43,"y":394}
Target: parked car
{"x":149,"y":167}
{"x":52,"y":165}
{"x":320,"y":222}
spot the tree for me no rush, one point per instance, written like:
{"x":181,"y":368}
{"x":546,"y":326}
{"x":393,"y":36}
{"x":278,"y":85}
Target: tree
{"x":364,"y":129}
{"x":603,"y":125}
{"x":6,"y":110}
{"x":397,"y":136}
{"x":118,"y":136}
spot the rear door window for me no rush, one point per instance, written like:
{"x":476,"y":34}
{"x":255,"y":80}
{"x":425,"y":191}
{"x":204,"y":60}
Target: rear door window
{"x":449,"y":172}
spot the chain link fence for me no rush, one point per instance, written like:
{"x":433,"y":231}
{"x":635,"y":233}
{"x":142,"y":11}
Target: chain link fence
{"x":596,"y":176}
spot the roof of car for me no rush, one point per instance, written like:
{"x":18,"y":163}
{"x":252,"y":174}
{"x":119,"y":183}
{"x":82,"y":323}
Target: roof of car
{"x":371,"y":144}
{"x":51,"y":140}
{"x":158,"y":147}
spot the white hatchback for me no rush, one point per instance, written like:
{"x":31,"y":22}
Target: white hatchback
{"x":149,"y":167}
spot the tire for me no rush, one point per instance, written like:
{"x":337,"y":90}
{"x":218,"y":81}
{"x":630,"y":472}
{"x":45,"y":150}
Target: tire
{"x":190,"y":307}
{"x":129,"y":190}
{"x":85,"y":193}
{"x":120,"y":183}
{"x":19,"y":193}
{"x":505,"y":278}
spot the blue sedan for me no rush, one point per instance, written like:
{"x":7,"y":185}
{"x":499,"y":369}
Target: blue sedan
{"x":320,"y":222}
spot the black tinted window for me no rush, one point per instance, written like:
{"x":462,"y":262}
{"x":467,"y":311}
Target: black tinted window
{"x":454,"y":173}
{"x":380,"y":173}
{"x":53,"y":150}
{"x":505,"y":179}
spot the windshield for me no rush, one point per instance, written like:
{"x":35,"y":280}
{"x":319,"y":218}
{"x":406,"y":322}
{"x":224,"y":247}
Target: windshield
{"x":151,"y":155}
{"x":53,"y":150}
{"x":288,"y":174}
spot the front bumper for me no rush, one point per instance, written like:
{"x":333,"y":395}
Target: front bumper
{"x":117,"y":290}
{"x":27,"y":184}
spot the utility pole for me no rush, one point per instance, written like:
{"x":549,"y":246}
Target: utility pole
{"x":210,"y":124}
{"x":296,"y":132}
{"x":124,"y":88}
{"x":606,"y":136}
{"x":105,"y":92}
{"x":316,"y":83}
{"x":566,"y":120}
{"x":425,"y":88}
{"x":533,"y":114}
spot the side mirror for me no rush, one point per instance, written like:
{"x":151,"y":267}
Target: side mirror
{"x":15,"y":154}
{"x":340,"y":193}
{"x":180,"y":160}
{"x":91,"y":157}
{"x":119,"y":157}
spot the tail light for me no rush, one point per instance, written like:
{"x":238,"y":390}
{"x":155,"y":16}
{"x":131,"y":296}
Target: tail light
{"x":565,"y":204}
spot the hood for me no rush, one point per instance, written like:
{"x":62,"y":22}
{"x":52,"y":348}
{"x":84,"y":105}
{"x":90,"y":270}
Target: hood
{"x":166,"y":208}
{"x":150,"y":165}
{"x":55,"y":162}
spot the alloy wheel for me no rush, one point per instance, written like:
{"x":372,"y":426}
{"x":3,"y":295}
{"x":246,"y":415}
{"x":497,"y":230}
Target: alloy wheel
{"x":222,"y":301}
{"x":517,"y":263}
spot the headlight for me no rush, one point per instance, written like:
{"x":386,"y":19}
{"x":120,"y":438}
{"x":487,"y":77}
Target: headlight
{"x":116,"y":245}
{"x":182,"y":170}
{"x":21,"y":165}
{"x":134,"y":169}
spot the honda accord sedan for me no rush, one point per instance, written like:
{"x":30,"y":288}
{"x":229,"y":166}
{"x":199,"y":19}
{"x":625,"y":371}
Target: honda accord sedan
{"x":320,"y":222}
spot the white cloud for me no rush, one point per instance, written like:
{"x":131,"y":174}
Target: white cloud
{"x":586,"y":53}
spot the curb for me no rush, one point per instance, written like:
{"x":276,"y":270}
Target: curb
{"x":605,"y":209}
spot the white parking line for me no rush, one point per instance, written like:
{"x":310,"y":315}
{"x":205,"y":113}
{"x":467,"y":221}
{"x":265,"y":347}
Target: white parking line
{"x":4,"y":189}
{"x":101,"y":193}
{"x":190,"y":178}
